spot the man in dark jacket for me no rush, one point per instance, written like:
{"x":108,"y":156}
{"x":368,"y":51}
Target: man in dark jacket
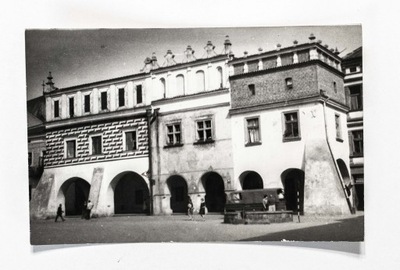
{"x":59,"y":213}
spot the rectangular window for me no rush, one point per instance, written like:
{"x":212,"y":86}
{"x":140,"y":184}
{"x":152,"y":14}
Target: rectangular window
{"x":356,"y":103}
{"x":103,"y":98}
{"x":356,"y":143}
{"x":86,"y":103}
{"x":252,"y":89}
{"x":121,"y":97}
{"x":289,"y":83}
{"x":338,"y":127}
{"x":130,"y":141}
{"x":96,"y":145}
{"x":174,"y":134}
{"x":56,"y":108}
{"x":204,"y":130}
{"x":71,"y":149}
{"x":253,"y":131}
{"x":291,"y":126}
{"x":71,"y":107}
{"x":139,"y":96}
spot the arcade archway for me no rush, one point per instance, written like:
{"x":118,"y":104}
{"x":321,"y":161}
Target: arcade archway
{"x":76,"y":192}
{"x":251,"y":180}
{"x":215,"y":192}
{"x":179,"y":191}
{"x":293,"y":182}
{"x":131,"y":194}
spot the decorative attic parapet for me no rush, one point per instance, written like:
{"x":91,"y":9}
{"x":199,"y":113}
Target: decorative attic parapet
{"x":209,"y":50}
{"x":228,"y":47}
{"x":169,"y":59}
{"x":280,"y":57}
{"x":188,"y":55}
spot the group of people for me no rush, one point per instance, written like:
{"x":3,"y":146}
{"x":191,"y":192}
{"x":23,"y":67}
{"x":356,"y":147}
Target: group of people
{"x":86,"y":211}
{"x":269,"y":202}
{"x":191,"y":209}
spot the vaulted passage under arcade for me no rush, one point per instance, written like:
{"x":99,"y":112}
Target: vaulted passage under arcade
{"x":251,"y":180}
{"x":293,"y":182}
{"x":131,"y":194}
{"x":76,"y":192}
{"x":215,"y":192}
{"x":179,"y":192}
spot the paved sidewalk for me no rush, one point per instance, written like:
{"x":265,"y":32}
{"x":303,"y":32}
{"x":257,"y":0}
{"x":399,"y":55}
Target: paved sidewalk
{"x":179,"y":228}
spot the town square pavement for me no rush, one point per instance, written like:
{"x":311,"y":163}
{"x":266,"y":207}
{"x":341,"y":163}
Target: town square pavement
{"x":179,"y":228}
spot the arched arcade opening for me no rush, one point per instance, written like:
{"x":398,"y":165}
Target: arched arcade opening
{"x":76,"y":192}
{"x":179,"y":192}
{"x":293,"y":183}
{"x":251,"y":180}
{"x":131,"y":194}
{"x":215,"y":192}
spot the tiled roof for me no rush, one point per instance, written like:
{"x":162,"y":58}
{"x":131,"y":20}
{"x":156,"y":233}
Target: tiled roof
{"x":354,"y":54}
{"x":36,"y":107}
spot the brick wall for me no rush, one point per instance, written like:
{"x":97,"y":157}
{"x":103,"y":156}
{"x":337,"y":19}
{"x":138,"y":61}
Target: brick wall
{"x":112,"y":142}
{"x":271,"y":87}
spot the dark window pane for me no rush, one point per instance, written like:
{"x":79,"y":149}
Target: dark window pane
{"x":87,"y":103}
{"x":56,"y":108}
{"x":131,"y":140}
{"x":121,"y":97}
{"x":71,"y":106}
{"x":96,"y":145}
{"x":104,"y":100}
{"x":201,"y":135}
{"x":178,"y":138}
{"x":70,"y":149}
{"x":139,"y":97}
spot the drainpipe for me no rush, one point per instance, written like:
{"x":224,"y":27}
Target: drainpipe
{"x":325,"y":98}
{"x":150,"y":172}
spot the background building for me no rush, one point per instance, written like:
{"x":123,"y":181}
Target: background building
{"x":353,"y":82}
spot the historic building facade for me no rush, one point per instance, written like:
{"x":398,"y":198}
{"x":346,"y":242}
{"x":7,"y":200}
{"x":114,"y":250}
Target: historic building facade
{"x":353,"y":82}
{"x":288,"y":110}
{"x":196,"y":128}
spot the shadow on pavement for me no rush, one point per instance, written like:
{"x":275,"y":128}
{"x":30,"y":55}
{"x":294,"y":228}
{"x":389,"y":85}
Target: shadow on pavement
{"x":349,"y":230}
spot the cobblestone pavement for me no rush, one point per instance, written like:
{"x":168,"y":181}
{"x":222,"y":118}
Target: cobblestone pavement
{"x":179,"y":228}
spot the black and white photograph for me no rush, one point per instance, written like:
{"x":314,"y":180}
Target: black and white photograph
{"x":199,"y":134}
{"x":236,"y":134}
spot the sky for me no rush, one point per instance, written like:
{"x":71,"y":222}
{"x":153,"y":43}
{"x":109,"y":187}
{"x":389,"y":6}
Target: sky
{"x":82,"y":56}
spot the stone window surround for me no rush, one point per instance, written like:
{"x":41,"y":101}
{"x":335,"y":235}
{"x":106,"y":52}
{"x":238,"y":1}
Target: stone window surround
{"x":173,"y":123}
{"x":246,"y":130}
{"x":68,"y":139}
{"x":84,"y":94}
{"x":68,"y":105}
{"x":91,"y":142}
{"x":53,"y":101}
{"x":285,"y":139}
{"x":124,"y":131}
{"x":203,"y":119}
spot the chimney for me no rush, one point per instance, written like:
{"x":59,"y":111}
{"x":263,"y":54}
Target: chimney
{"x":278,"y":47}
{"x":154,"y":63}
{"x":210,"y":50}
{"x":295,"y":42}
{"x":189,"y":55}
{"x":260,"y":50}
{"x":245,"y":54}
{"x":169,"y":59}
{"x":227,"y":46}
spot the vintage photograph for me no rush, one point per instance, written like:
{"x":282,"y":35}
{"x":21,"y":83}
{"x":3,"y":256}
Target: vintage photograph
{"x":195,"y":134}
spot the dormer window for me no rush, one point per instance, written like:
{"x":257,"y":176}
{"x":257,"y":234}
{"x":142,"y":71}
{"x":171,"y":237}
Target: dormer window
{"x":252,"y":89}
{"x":352,"y":69}
{"x":289,"y":83}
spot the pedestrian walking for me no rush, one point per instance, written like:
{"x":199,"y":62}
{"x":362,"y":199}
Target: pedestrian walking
{"x":84,"y":210}
{"x":59,"y":213}
{"x":190,"y":209}
{"x":203,"y":209}
{"x":89,"y":208}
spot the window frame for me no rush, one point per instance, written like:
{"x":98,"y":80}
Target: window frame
{"x":91,"y":144}
{"x":71,"y":111}
{"x":289,"y":83}
{"x":197,"y":137}
{"x":56,"y":101}
{"x":174,"y":133}
{"x":294,"y":138}
{"x":338,"y":127}
{"x":358,"y":96}
{"x":84,"y":95}
{"x":247,"y":131}
{"x":136,"y":140}
{"x":137,"y":87}
{"x":121,"y":96}
{"x":103,"y":93}
{"x":252,"y":89}
{"x":66,"y":140}
{"x":353,"y":140}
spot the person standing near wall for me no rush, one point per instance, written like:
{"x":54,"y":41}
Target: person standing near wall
{"x":265,"y":202}
{"x":271,"y":203}
{"x":84,"y":207}
{"x":59,"y":213}
{"x":190,"y":208}
{"x":203,"y":209}
{"x":89,"y":209}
